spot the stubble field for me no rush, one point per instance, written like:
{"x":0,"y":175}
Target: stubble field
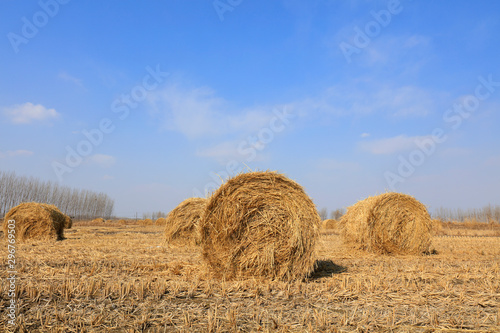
{"x":122,"y":278}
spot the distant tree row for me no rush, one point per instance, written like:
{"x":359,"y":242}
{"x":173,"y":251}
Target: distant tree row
{"x":485,"y":214}
{"x":154,"y":216}
{"x":334,"y":214}
{"x":77,"y":203}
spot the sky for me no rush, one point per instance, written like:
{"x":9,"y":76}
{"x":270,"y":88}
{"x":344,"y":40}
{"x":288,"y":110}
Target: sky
{"x":155,"y":102}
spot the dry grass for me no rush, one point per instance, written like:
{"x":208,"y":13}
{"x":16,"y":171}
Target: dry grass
{"x":260,"y":224}
{"x":122,"y":279}
{"x":388,"y":223}
{"x":37,"y":221}
{"x":181,"y":225}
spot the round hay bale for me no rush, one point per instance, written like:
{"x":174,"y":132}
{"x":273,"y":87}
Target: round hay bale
{"x":145,"y":222}
{"x":160,"y":221}
{"x":260,"y":224}
{"x":181,"y":224}
{"x":37,"y":221}
{"x":329,"y":224}
{"x":390,"y":223}
{"x":99,"y":220}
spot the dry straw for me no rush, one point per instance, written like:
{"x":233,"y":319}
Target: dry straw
{"x":161,"y":221}
{"x":36,"y":221}
{"x":145,"y":222}
{"x":260,"y":224}
{"x":181,"y":224}
{"x":329,"y":224}
{"x":99,"y":220}
{"x":388,"y":223}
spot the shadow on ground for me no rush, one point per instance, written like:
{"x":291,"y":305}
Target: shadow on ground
{"x":326,"y":268}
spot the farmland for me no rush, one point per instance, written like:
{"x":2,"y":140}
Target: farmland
{"x":121,"y":277}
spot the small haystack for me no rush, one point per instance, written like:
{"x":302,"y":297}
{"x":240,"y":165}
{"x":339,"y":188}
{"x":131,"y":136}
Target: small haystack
{"x":329,"y":224}
{"x":260,"y":224}
{"x":161,"y":221}
{"x":181,"y":224}
{"x":388,"y":223}
{"x":145,"y":222}
{"x":99,"y":220}
{"x":36,"y":221}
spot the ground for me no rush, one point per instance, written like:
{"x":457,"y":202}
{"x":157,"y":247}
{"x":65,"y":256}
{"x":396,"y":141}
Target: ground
{"x":115,"y":277}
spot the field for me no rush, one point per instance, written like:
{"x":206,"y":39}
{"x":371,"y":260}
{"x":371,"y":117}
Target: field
{"x":113,"y":277}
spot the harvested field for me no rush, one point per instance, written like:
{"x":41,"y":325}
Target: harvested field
{"x":121,"y":278}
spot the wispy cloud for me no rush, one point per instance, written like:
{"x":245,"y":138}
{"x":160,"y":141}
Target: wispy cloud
{"x":221,"y":152}
{"x":384,"y":50}
{"x":225,"y":151}
{"x":392,"y":145}
{"x":15,"y":153}
{"x":366,"y":97}
{"x":69,"y":78}
{"x":28,"y":112}
{"x":101,"y":160}
{"x":200,"y":113}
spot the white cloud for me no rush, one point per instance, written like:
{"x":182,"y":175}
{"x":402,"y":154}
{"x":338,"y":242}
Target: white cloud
{"x":365,"y":135}
{"x":393,"y":145}
{"x":10,"y":153}
{"x":28,"y":112}
{"x":101,"y":160}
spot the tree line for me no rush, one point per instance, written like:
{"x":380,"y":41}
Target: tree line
{"x":486,"y":214}
{"x":77,"y":203}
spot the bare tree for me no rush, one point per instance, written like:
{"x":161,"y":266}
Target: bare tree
{"x":337,"y":214}
{"x":323,"y":213}
{"x":74,"y":202}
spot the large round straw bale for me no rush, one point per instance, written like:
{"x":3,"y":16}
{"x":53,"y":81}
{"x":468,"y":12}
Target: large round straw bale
{"x":260,"y":224}
{"x":388,"y":223}
{"x":181,"y":224}
{"x":37,"y":221}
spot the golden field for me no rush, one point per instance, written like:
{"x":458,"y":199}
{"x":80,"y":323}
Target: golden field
{"x":119,"y":276}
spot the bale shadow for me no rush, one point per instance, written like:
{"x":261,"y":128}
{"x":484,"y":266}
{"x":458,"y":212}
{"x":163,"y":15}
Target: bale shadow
{"x":326,"y":268}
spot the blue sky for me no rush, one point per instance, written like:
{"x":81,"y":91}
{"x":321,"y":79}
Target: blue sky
{"x":153,"y":102}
